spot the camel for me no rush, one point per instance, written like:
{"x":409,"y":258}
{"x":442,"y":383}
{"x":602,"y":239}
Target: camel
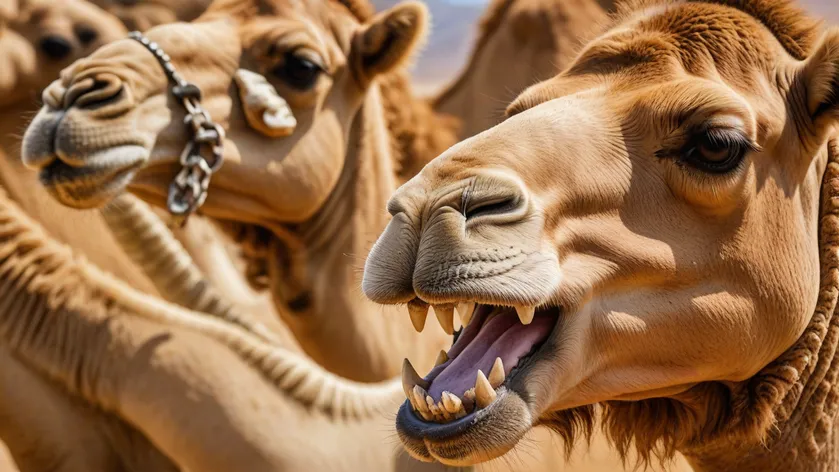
{"x":541,"y":37}
{"x":654,"y":230}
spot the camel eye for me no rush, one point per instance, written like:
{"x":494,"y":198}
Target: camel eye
{"x":717,"y":151}
{"x":298,"y":72}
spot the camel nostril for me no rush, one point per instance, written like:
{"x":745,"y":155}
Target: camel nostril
{"x":94,"y":92}
{"x":86,"y":34}
{"x":493,"y":206}
{"x":494,"y":200}
{"x":56,"y":47}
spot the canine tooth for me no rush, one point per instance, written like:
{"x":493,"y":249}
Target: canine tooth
{"x":469,"y":400}
{"x":526,"y":313}
{"x":410,"y":378}
{"x":484,"y":393}
{"x":441,"y":358}
{"x":497,"y":375}
{"x":445,"y":315}
{"x":465,"y":310}
{"x":418,"y":310}
{"x":452,"y":402}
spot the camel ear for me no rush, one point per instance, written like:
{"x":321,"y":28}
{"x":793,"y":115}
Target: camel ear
{"x":821,"y":78}
{"x":389,"y":40}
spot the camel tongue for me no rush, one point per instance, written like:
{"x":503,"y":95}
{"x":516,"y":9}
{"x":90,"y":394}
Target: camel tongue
{"x":501,"y":336}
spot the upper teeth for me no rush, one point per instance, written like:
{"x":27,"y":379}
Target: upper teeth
{"x":445,"y":315}
{"x":418,"y":311}
{"x":525,"y":313}
{"x":464,"y":310}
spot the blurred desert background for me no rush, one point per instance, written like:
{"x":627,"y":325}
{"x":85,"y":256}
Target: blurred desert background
{"x":454,"y":26}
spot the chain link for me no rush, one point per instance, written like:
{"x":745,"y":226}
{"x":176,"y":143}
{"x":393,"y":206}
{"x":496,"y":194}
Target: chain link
{"x":203,"y":154}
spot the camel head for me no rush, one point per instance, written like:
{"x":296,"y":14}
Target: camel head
{"x":44,"y":36}
{"x":144,"y":14}
{"x":257,"y":63}
{"x":521,"y":42}
{"x":642,"y":231}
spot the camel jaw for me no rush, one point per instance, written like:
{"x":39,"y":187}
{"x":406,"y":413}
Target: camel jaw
{"x":502,"y":407}
{"x":93,"y":185}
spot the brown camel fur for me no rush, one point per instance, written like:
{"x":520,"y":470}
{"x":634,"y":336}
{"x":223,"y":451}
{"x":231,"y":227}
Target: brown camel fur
{"x":658,"y":227}
{"x":539,"y":38}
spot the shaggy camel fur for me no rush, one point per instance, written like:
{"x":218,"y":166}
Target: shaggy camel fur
{"x":540,"y":37}
{"x":656,"y":230}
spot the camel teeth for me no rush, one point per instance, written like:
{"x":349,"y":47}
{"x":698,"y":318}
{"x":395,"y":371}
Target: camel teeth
{"x":526,"y":314}
{"x":484,"y":393}
{"x":442,"y":358}
{"x":445,"y":315}
{"x":469,"y":400}
{"x":452,"y":402}
{"x":465,"y":310}
{"x":419,"y":395}
{"x":410,"y":378}
{"x":418,"y":310}
{"x":497,"y":375}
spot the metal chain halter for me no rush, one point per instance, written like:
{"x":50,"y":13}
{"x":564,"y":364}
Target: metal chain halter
{"x":189,"y":189}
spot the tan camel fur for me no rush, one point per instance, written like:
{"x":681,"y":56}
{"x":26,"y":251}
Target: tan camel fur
{"x":312,"y":203}
{"x":45,"y":37}
{"x":653,"y":230}
{"x":539,"y":38}
{"x":216,"y":399}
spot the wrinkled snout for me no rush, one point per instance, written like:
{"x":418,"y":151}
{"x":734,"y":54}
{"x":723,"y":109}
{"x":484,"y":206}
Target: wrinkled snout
{"x":79,"y":163}
{"x":463,"y":240}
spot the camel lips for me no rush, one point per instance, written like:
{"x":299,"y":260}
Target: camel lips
{"x":467,"y":378}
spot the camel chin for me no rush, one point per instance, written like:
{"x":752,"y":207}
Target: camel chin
{"x":97,"y":182}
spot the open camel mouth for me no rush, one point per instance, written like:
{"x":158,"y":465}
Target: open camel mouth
{"x":486,"y":366}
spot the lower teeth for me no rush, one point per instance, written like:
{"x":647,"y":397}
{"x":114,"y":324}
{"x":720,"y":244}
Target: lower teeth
{"x":451,"y":407}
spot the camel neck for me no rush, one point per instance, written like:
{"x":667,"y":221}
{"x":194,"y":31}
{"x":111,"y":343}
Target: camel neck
{"x":795,"y":399}
{"x":316,"y":283}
